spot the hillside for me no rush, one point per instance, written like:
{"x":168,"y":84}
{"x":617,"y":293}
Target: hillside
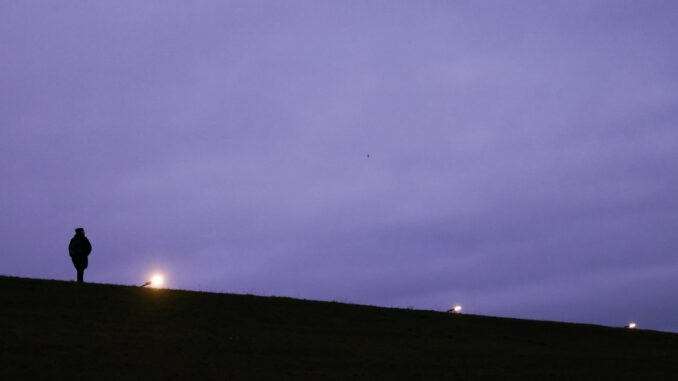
{"x":63,"y":330}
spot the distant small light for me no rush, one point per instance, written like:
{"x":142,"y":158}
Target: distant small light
{"x":631,"y":325}
{"x":455,"y":310}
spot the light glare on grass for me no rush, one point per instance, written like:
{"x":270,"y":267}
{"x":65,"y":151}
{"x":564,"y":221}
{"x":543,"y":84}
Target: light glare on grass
{"x":456,"y":309}
{"x":157,"y":281}
{"x":631,"y":325}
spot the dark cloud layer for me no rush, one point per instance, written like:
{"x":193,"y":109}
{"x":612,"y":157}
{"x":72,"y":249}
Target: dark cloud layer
{"x":522,"y":155}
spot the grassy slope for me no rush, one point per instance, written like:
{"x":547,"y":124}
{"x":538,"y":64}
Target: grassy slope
{"x":62,"y":330}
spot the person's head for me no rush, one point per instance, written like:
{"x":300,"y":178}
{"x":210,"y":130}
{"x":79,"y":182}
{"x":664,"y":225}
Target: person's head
{"x":80,"y":231}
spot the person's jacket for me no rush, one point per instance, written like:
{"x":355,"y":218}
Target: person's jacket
{"x":79,"y":246}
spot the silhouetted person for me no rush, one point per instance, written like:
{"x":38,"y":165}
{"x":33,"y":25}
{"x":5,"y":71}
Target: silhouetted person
{"x":79,"y":250}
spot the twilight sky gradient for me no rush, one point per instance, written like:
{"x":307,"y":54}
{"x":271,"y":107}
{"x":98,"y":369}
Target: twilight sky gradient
{"x":523,"y":154}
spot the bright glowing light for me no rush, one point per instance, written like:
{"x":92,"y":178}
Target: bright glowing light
{"x":456,"y":309}
{"x":631,"y":325}
{"x":157,"y":281}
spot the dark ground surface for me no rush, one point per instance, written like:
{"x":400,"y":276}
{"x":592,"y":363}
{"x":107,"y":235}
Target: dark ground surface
{"x":62,"y":330}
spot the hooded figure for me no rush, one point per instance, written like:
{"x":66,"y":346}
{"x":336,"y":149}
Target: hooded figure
{"x":79,"y":250}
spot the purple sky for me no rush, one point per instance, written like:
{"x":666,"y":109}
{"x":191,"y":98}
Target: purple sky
{"x":523,"y":154}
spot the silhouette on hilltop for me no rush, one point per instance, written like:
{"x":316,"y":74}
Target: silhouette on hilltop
{"x":79,"y":249}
